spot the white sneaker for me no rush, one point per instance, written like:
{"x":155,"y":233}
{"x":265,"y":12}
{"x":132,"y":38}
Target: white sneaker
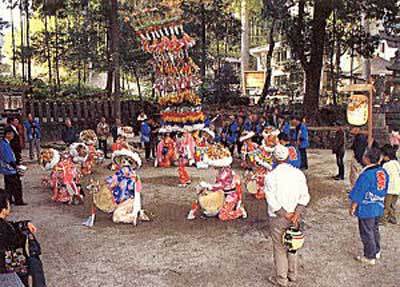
{"x":191,"y":215}
{"x":365,"y":260}
{"x":143,"y":216}
{"x":244,"y":216}
{"x":378,"y":255}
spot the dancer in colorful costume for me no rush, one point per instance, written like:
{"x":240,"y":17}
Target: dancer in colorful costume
{"x":165,"y":150}
{"x":120,"y":194}
{"x":203,"y":140}
{"x":224,"y":197}
{"x":89,"y":138}
{"x":185,"y":147}
{"x":64,"y":177}
{"x":248,"y":150}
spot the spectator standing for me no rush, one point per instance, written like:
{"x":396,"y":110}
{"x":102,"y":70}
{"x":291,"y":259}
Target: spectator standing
{"x":367,"y":203}
{"x":116,"y":129}
{"x":69,"y":134}
{"x":145,"y":138}
{"x":8,"y":167}
{"x":15,"y":142}
{"x":302,"y":141}
{"x":392,"y":167}
{"x":338,"y":148}
{"x":33,"y":134}
{"x":103,"y":131}
{"x":287,"y":196}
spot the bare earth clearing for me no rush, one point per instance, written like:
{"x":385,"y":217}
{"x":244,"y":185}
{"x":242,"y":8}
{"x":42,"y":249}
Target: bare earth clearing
{"x":171,"y":251}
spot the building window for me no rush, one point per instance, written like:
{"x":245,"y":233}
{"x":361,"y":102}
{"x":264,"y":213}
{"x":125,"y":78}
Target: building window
{"x":281,"y":56}
{"x":280,"y":81}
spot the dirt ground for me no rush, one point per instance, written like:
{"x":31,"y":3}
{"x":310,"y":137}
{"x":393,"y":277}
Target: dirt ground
{"x":171,"y":251}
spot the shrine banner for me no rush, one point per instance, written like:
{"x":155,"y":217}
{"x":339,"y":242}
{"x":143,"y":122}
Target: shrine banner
{"x":357,"y":110}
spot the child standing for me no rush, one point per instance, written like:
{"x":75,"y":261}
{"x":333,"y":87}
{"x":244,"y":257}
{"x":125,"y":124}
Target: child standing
{"x":367,"y":203}
{"x":392,"y":167}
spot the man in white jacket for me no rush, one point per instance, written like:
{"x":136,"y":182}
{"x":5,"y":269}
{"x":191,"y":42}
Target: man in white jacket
{"x":287,"y":196}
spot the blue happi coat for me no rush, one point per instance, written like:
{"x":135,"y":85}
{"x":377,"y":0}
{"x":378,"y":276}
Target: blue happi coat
{"x":369,"y":192}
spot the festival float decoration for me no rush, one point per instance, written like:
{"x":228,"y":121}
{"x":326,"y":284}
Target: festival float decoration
{"x":162,"y":34}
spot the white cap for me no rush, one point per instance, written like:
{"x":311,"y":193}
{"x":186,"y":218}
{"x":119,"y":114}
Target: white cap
{"x":281,"y":152}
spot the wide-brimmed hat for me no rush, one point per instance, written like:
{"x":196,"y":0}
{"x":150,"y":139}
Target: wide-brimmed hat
{"x":218,"y":156}
{"x":247,"y":135}
{"x":263,"y":157}
{"x":270,"y":131}
{"x":88,"y":137}
{"x":74,"y":152}
{"x":126,"y":157}
{"x":209,"y":132}
{"x":49,"y":158}
{"x":142,"y":118}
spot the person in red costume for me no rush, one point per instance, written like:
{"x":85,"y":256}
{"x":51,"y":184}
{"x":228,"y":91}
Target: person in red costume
{"x":227,"y":182}
{"x":165,"y":150}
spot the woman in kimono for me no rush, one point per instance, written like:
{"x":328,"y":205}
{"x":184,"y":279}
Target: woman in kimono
{"x":226,"y":182}
{"x":89,"y":138}
{"x":125,"y":187}
{"x":64,"y":177}
{"x":185,"y":157}
{"x":248,"y":150}
{"x":203,"y":139}
{"x":165,"y":150}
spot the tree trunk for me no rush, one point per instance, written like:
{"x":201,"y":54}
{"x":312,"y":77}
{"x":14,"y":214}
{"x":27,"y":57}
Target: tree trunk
{"x":268,"y":64}
{"x":28,"y":46}
{"x":21,"y":14}
{"x":203,"y":62}
{"x":109,"y":81}
{"x":14,"y":68}
{"x":244,"y":50}
{"x":48,"y":51}
{"x":115,"y":56}
{"x":57,"y":56}
{"x":138,"y":84}
{"x":337,"y":67}
{"x":322,"y":11}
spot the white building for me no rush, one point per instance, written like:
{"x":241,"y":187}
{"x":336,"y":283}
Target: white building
{"x":282,"y":55}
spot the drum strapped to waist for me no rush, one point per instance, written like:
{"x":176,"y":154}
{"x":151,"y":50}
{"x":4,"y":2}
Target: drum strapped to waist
{"x":104,"y":200}
{"x":211,"y":202}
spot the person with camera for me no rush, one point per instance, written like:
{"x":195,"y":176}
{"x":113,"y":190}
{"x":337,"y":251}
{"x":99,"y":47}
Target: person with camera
{"x":10,"y":169}
{"x":19,"y":250}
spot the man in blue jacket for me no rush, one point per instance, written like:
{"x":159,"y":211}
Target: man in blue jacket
{"x":367,"y":203}
{"x":302,"y":142}
{"x":145,"y":137}
{"x":33,"y":134}
{"x":8,"y":167}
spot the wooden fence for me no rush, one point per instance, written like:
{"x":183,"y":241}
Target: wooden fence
{"x":84,"y":114}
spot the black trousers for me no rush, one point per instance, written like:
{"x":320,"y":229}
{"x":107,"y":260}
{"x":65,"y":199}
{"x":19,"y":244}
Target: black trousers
{"x":103,"y":146}
{"x":304,"y":159}
{"x":13,"y":187}
{"x":147,"y":150}
{"x":340,"y":164}
{"x":35,"y":269}
{"x":370,"y":237}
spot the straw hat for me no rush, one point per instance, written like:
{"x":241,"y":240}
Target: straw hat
{"x":209,"y":132}
{"x":88,"y":137}
{"x":49,"y":158}
{"x":126,"y":157}
{"x":247,"y":135}
{"x":79,"y":152}
{"x":218,"y":156}
{"x":264,"y":158}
